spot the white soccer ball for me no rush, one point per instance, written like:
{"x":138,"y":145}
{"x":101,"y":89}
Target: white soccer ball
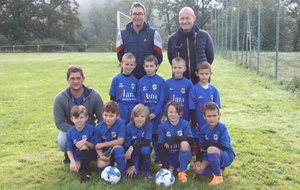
{"x":111,"y":175}
{"x":164,"y":178}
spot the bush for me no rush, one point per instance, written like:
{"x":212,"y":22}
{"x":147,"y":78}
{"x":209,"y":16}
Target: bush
{"x":294,"y":85}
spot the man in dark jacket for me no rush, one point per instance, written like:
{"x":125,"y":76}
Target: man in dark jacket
{"x":190,"y":43}
{"x":75,"y":94}
{"x":139,"y":39}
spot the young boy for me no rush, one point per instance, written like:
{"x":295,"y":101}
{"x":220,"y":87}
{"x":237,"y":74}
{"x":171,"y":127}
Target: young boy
{"x":174,"y":141}
{"x":200,"y":94}
{"x":178,"y":87}
{"x":123,"y":87}
{"x":110,"y":135}
{"x":151,"y":92}
{"x":215,"y":151}
{"x":138,"y":140}
{"x":80,"y":142}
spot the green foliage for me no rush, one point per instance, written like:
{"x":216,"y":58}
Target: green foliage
{"x":261,"y":119}
{"x":294,"y":85}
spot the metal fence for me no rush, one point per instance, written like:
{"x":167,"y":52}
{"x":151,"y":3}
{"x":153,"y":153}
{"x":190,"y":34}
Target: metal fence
{"x":40,"y":48}
{"x":239,"y":34}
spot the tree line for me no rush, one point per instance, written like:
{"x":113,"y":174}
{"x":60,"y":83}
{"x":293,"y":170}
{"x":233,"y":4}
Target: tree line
{"x":58,"y":21}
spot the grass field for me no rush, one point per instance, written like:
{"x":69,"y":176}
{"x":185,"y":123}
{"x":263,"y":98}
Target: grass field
{"x":263,"y":121}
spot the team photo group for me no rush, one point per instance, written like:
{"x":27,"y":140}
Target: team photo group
{"x":174,"y":122}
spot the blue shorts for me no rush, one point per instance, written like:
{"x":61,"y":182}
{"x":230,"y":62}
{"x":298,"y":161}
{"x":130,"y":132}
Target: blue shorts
{"x":226,"y":158}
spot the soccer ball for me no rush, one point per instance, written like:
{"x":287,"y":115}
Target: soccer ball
{"x":111,"y":175}
{"x":164,"y":178}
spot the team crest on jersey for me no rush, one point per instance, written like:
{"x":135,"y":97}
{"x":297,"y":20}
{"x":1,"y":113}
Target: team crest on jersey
{"x":132,"y":86}
{"x":84,"y":137}
{"x":154,"y":86}
{"x":179,"y":133}
{"x":113,"y":134}
{"x":216,"y":137}
{"x":121,"y":85}
{"x":182,"y":90}
{"x":143,"y":134}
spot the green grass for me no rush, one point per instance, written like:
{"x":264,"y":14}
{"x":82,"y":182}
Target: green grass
{"x":263,"y":121}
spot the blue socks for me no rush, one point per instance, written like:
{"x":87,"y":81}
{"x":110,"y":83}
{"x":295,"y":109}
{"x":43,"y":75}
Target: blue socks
{"x":214,"y":163}
{"x":146,"y":158}
{"x":184,"y":157}
{"x":120,"y":159}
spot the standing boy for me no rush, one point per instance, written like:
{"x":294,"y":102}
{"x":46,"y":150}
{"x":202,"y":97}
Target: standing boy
{"x":151,"y":92}
{"x":110,"y":135}
{"x":178,"y":87}
{"x":200,"y":94}
{"x":80,"y":142}
{"x":123,"y":87}
{"x":215,"y":150}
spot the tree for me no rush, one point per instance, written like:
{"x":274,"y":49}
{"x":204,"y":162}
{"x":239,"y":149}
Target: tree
{"x":25,"y":20}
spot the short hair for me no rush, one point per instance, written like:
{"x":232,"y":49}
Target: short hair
{"x":211,"y":106}
{"x":151,"y":58}
{"x":77,"y":110}
{"x":138,"y":110}
{"x":128,"y":56}
{"x":177,"y":106}
{"x":74,"y":69}
{"x":111,"y":106}
{"x":203,"y":65}
{"x":179,"y":59}
{"x":137,"y":4}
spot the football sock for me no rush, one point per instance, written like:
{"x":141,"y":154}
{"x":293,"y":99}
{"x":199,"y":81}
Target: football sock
{"x":184,"y":160}
{"x":214,"y":163}
{"x":207,"y":171}
{"x":146,"y":158}
{"x":120,"y":159}
{"x":85,"y":160}
{"x":155,"y":146}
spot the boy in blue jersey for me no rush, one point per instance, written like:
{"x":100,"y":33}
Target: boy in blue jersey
{"x":123,"y":87}
{"x":80,"y":142}
{"x":151,"y":92}
{"x":178,"y":87}
{"x":174,"y":141}
{"x":215,"y":151}
{"x":110,"y":133}
{"x":137,"y":141}
{"x":200,"y":94}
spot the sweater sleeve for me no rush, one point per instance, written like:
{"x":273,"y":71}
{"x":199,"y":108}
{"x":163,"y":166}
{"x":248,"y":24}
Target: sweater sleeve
{"x":59,"y":115}
{"x":163,"y":156}
{"x":141,"y":144}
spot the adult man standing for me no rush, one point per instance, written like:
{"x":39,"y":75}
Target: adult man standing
{"x":75,"y":94}
{"x":190,"y":43}
{"x":140,"y":39}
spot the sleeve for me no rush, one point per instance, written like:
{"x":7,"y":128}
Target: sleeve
{"x":97,"y":135}
{"x":209,"y":49}
{"x":113,"y":87}
{"x":225,"y":138}
{"x":218,"y":145}
{"x":178,"y":139}
{"x":169,"y":52}
{"x":120,"y":47}
{"x":60,"y":115}
{"x":141,"y":144}
{"x":157,"y":47}
{"x":193,"y":118}
{"x":98,"y":106}
{"x":160,"y":103}
{"x":69,"y":142}
{"x":217,"y":98}
{"x":201,"y":137}
{"x":139,"y":93}
{"x":127,"y":137}
{"x":121,"y":128}
{"x":163,"y":156}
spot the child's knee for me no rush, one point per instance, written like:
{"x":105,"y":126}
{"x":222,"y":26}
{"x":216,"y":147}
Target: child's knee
{"x":145,"y":150}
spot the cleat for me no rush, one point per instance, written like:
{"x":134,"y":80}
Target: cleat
{"x":148,"y":175}
{"x":66,"y":160}
{"x":182,"y":177}
{"x":123,"y":176}
{"x":85,"y":178}
{"x":216,"y":180}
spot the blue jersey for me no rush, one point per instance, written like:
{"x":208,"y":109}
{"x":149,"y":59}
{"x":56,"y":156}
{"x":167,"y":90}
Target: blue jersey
{"x":199,"y":96}
{"x":178,"y":90}
{"x":218,"y":134}
{"x":104,"y":134}
{"x":166,"y":130}
{"x":135,"y":135}
{"x":151,"y":92}
{"x":74,"y":136}
{"x":124,"y":89}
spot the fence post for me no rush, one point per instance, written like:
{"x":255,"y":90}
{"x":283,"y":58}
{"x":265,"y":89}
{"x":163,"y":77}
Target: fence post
{"x":38,"y":48}
{"x":85,"y":47}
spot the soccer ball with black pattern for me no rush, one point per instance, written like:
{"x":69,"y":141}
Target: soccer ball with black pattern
{"x":111,"y":175}
{"x":164,"y":178}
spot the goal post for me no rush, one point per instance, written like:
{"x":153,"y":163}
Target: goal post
{"x":122,"y":20}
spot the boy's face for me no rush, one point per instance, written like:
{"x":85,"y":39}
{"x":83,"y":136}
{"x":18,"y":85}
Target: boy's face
{"x":109,"y":118}
{"x":203,"y":75}
{"x":128,"y":66}
{"x":178,"y":68}
{"x":150,"y":68}
{"x":75,"y":80}
{"x":140,"y":120}
{"x":79,"y":122}
{"x":172,"y":114}
{"x":212,"y":117}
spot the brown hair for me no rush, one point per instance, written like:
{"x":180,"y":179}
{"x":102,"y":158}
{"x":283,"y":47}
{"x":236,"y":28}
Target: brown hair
{"x":111,"y":106}
{"x":177,"y":106}
{"x":137,"y":4}
{"x":203,"y":65}
{"x":151,"y":58}
{"x":74,"y":69}
{"x":128,"y":56}
{"x":211,"y":106}
{"x":138,"y":110}
{"x":77,"y":110}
